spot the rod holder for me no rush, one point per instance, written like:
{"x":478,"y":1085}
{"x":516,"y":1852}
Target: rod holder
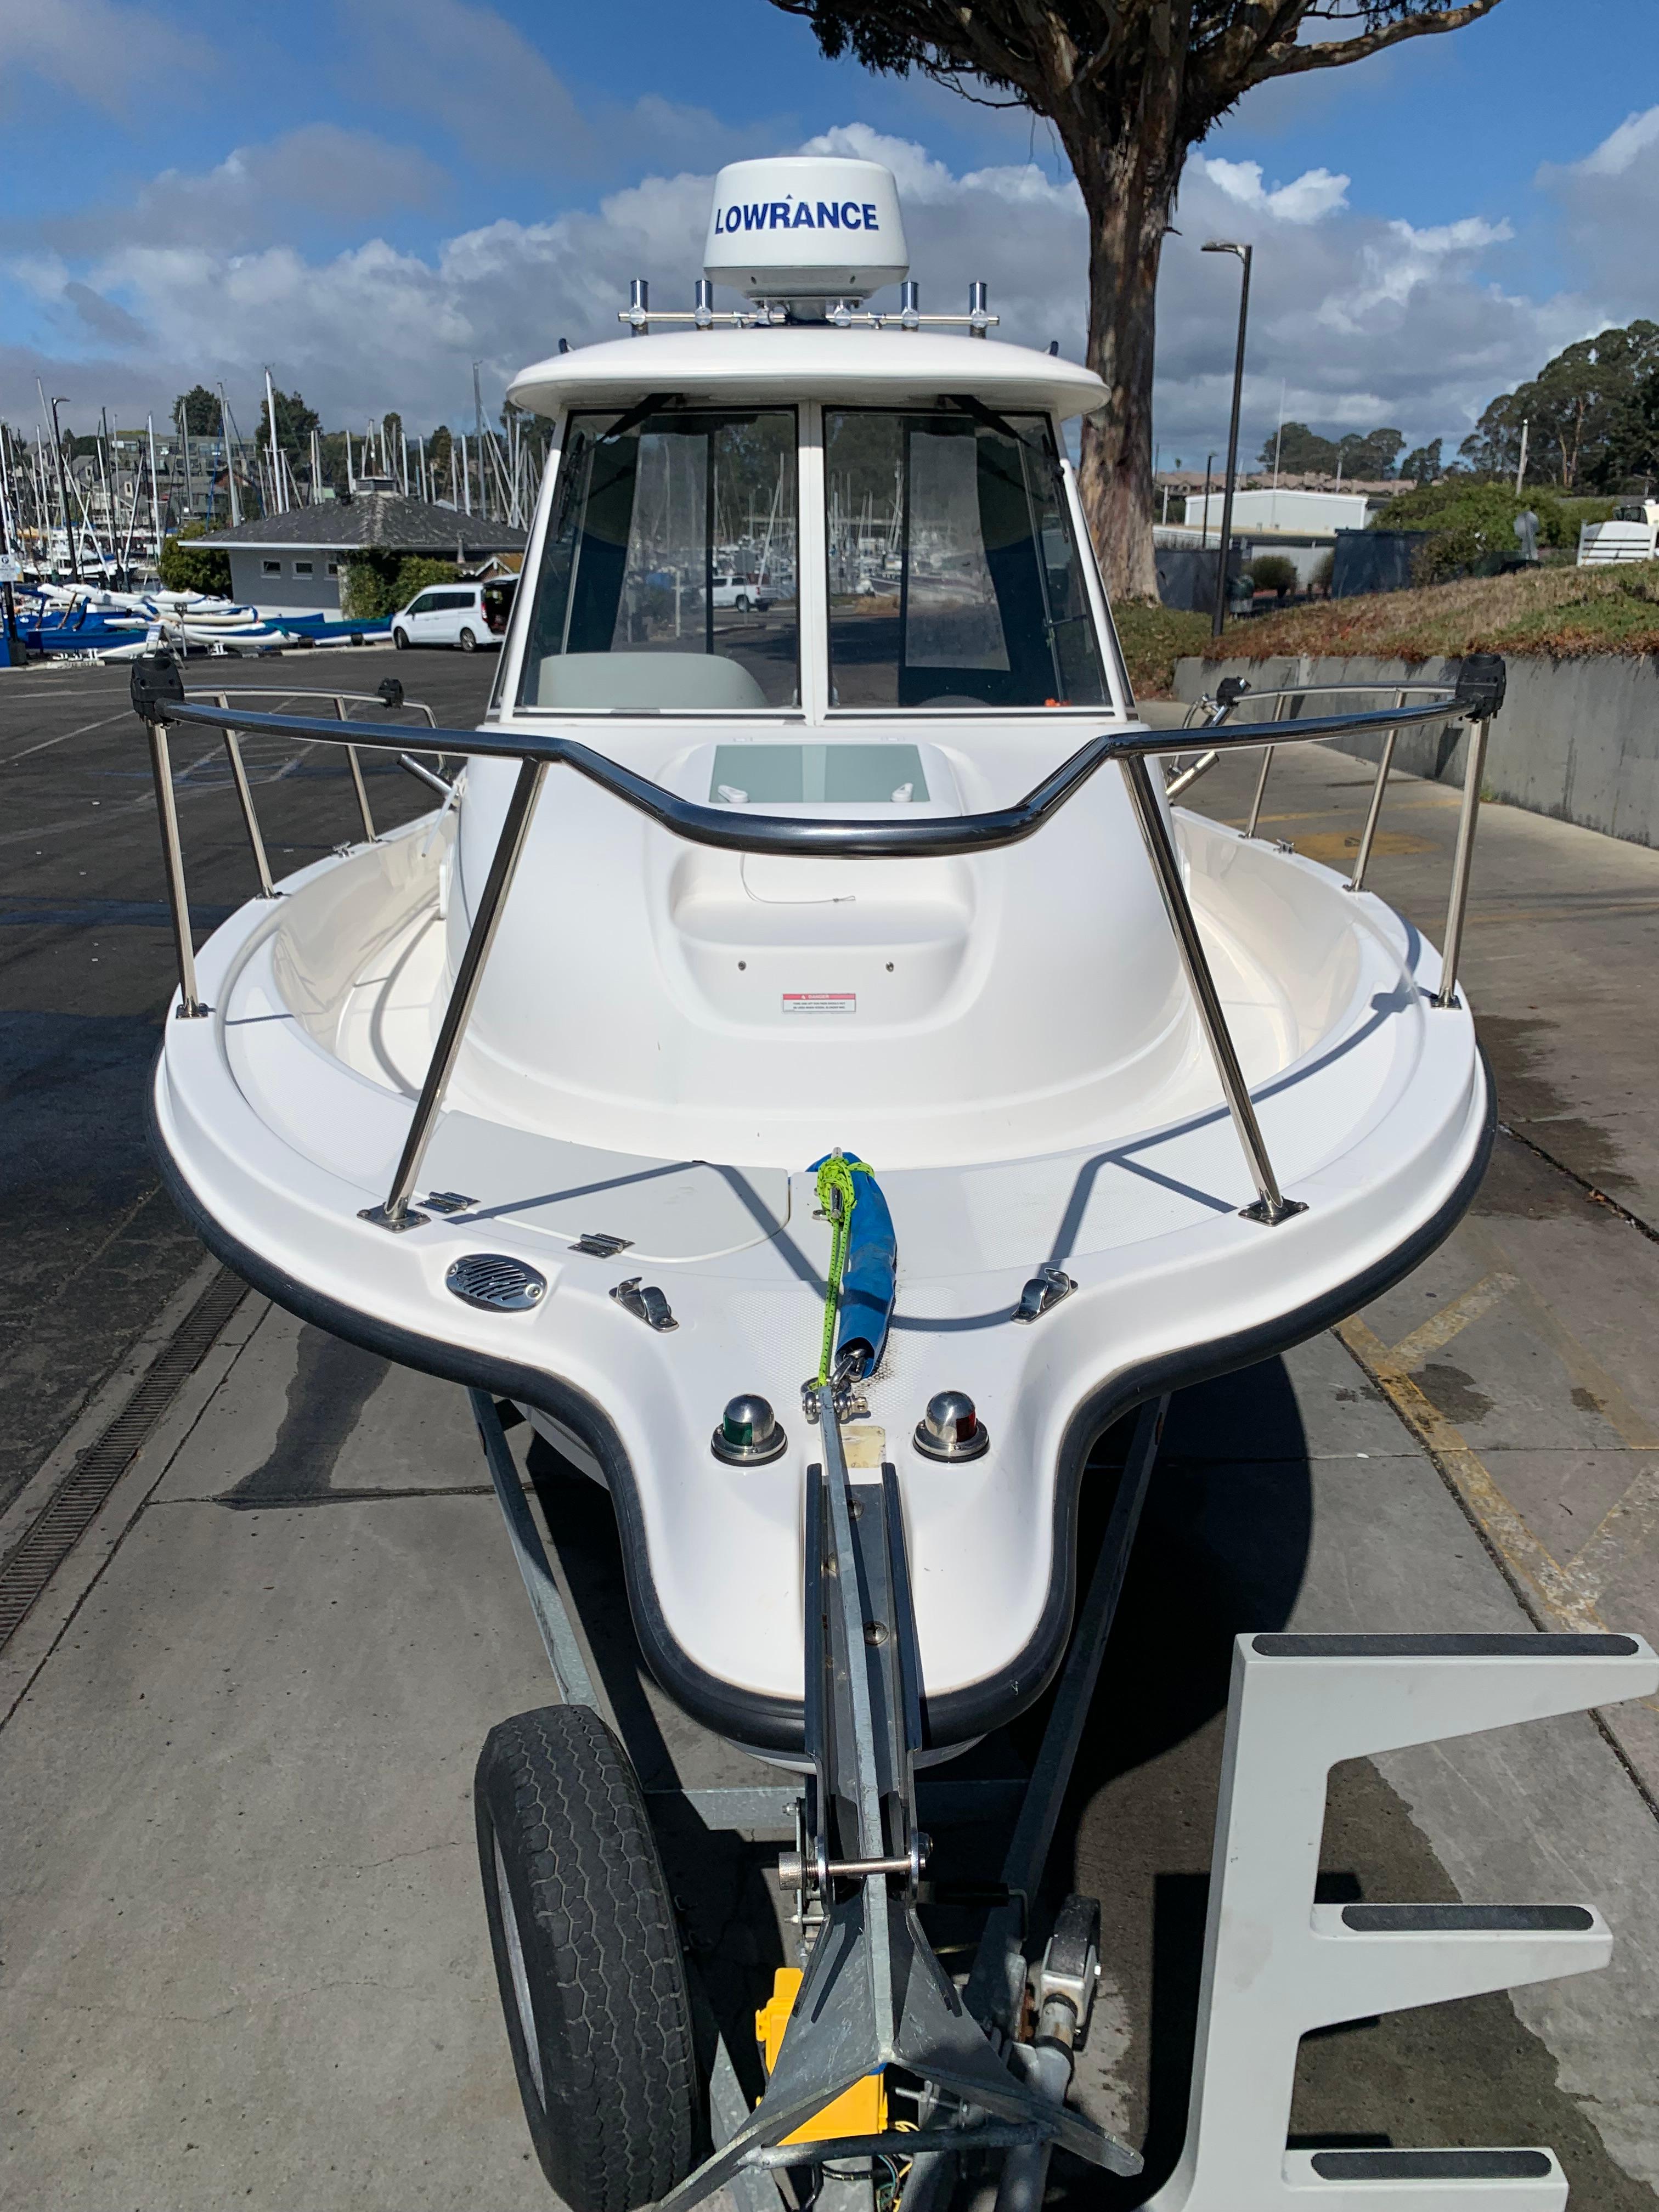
{"x":979,"y":319}
{"x":639,"y":306}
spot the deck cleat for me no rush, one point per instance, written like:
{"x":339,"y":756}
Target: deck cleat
{"x":645,"y":1302}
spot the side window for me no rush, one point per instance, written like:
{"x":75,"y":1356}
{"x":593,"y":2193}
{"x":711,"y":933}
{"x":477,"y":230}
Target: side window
{"x":302,"y":568}
{"x":271,"y":568}
{"x":421,"y":605}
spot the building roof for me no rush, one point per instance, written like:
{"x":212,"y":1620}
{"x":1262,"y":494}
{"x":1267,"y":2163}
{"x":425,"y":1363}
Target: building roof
{"x":874,"y":368}
{"x":381,"y":520}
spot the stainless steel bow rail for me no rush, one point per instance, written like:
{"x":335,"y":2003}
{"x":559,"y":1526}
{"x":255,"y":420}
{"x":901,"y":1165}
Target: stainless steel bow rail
{"x":159,"y":698}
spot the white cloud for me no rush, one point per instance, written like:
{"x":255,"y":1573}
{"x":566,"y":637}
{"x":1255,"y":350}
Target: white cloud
{"x":1316,"y":192}
{"x":1608,"y":204}
{"x":1635,"y":136}
{"x":1366,"y":321}
{"x":69,"y":45}
{"x":347,"y":178}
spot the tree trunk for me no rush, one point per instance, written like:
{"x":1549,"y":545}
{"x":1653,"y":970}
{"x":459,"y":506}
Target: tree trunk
{"x":1129,"y":191}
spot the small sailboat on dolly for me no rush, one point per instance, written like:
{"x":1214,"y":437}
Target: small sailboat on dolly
{"x":818,"y":982}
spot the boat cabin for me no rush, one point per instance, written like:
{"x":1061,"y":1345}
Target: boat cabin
{"x":807,"y":513}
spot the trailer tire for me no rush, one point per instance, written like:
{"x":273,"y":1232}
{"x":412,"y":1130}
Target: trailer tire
{"x":587,"y":1960}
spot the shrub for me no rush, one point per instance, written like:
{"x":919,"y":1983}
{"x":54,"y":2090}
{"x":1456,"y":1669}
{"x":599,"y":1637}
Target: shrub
{"x":1324,"y":574}
{"x":186,"y":568}
{"x":1472,"y":526}
{"x":1275,"y":573}
{"x":377,"y":583}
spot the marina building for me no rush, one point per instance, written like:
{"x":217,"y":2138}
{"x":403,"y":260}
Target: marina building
{"x":294,"y":563}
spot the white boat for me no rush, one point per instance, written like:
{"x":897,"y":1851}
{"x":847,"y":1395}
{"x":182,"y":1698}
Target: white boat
{"x":534,"y":1093}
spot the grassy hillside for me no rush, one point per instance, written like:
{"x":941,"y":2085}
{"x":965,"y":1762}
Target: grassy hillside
{"x":1560,"y":612}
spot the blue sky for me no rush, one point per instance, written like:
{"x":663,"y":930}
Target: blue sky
{"x":368,"y":196}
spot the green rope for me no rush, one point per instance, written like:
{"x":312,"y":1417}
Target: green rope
{"x":838,"y":1196}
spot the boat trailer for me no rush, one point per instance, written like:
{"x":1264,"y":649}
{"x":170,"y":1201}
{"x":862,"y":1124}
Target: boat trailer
{"x":991,"y":2062}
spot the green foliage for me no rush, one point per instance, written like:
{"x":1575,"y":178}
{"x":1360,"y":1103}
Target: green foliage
{"x":1471,"y":525}
{"x":377,"y":583}
{"x":1423,"y":465}
{"x":1153,"y":639}
{"x":295,"y":423}
{"x":187,"y":568}
{"x":1324,"y":574}
{"x":1274,"y":572}
{"x":1363,"y":459}
{"x":1302,"y":452}
{"x":1592,"y":414}
{"x":197,"y":412}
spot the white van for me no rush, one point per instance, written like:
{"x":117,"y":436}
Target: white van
{"x":467,"y":615}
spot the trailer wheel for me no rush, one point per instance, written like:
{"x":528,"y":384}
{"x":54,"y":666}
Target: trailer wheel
{"x":587,"y":1960}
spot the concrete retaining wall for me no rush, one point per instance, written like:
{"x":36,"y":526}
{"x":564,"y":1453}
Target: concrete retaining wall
{"x":1579,"y":739}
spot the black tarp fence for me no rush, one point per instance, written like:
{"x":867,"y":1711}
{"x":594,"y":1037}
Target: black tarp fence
{"x":1186,"y":575}
{"x":1373,"y":561}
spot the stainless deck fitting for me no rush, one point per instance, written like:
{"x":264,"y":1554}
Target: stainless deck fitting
{"x":496,"y":1281}
{"x":645,"y":1302}
{"x":749,"y":1433}
{"x":1374,"y":811}
{"x":598,"y":1245}
{"x":1047,"y":1288}
{"x":448,"y":1201}
{"x":159,"y":700}
{"x":951,"y":1429}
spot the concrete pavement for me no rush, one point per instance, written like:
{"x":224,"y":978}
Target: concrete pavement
{"x":243,"y":1955}
{"x":86,"y":968}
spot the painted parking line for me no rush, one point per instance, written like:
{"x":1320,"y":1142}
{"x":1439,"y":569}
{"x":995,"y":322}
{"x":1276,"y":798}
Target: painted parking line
{"x":1548,"y":1589}
{"x":1452,"y":1319}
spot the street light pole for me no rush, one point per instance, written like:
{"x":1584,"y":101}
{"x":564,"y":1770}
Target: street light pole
{"x":1245,"y":253}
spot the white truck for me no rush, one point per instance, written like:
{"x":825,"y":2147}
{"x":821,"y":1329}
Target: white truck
{"x":1632,"y":535}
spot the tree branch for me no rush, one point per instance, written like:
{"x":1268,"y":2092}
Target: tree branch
{"x":1337,"y":53}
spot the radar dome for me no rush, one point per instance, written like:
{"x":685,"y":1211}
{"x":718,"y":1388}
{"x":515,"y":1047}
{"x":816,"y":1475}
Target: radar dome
{"x":805,"y":229}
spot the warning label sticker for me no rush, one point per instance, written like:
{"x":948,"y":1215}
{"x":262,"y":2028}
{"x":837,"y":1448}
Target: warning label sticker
{"x":820,"y":1002}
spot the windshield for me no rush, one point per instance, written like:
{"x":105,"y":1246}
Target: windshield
{"x":667,"y":580}
{"x":954,"y":578}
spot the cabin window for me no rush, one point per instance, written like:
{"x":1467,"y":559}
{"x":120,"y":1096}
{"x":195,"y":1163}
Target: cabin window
{"x":954,"y":578}
{"x":271,"y":568}
{"x":648,"y":511}
{"x":302,"y":568}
